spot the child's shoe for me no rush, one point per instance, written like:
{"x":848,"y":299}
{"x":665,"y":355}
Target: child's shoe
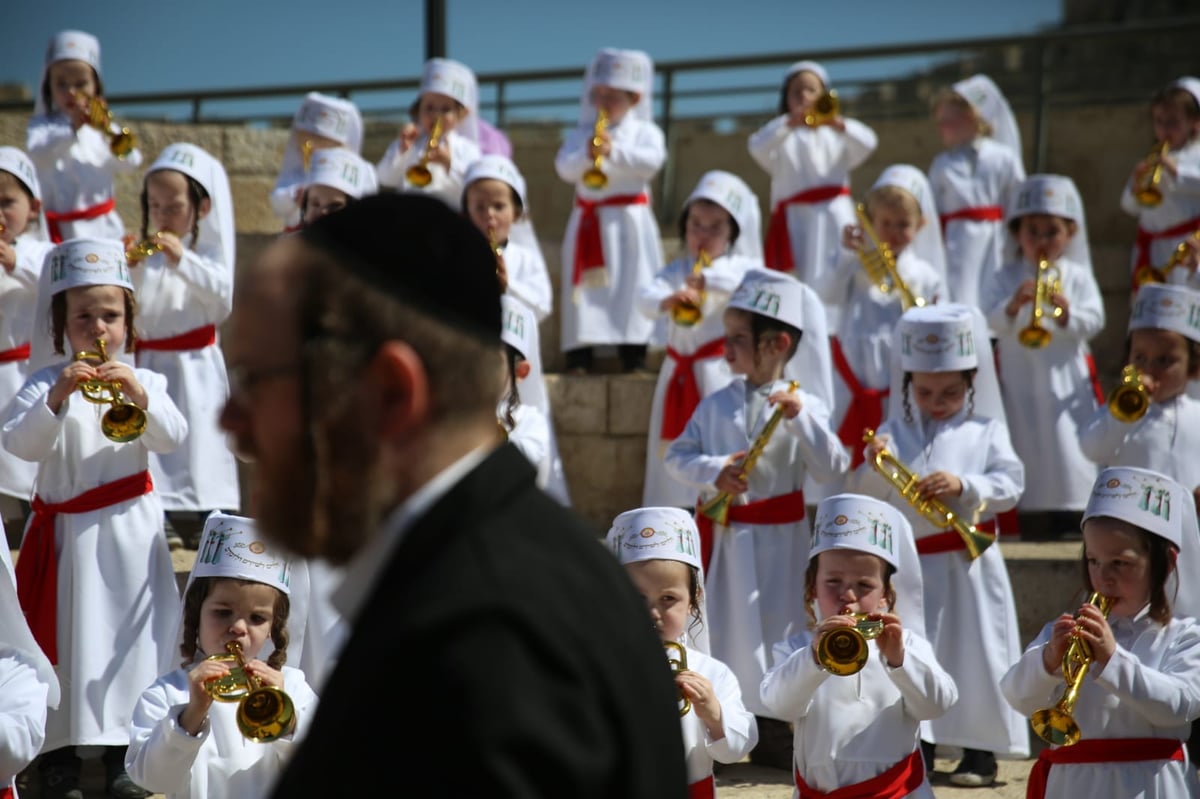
{"x":59,"y":772}
{"x":977,"y":769}
{"x":118,"y":783}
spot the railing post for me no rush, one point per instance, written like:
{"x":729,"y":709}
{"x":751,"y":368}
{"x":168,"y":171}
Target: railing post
{"x":1039,"y":105}
{"x":435,"y":29}
{"x":501,"y":116}
{"x":196,"y":110}
{"x":667,"y":175}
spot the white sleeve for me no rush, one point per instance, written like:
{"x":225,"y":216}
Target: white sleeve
{"x":48,"y":138}
{"x":31,"y":429}
{"x":390,"y":169}
{"x":650,"y":295}
{"x":210,"y":281}
{"x":766,"y":142}
{"x":833,"y":287}
{"x":824,"y":455}
{"x":726,"y":273}
{"x":1027,"y":686}
{"x":1166,"y":696}
{"x":1102,"y":438}
{"x":741,"y":730}
{"x":686,"y":460}
{"x":161,"y":753}
{"x":531,"y":435}
{"x":861,"y":141}
{"x":788,"y":689}
{"x":22,"y":715}
{"x":1085,"y":318}
{"x":572,"y":159}
{"x":283,"y":200}
{"x":166,"y":428}
{"x":642,"y":157}
{"x":927,"y":689}
{"x":1001,"y":485}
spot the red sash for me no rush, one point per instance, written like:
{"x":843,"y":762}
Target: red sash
{"x":897,"y":782}
{"x":865,"y":409}
{"x":949,"y":540}
{"x":1141,"y":244}
{"x":783,"y":509}
{"x":93,"y":212}
{"x":980,"y":213}
{"x":778,"y":245}
{"x":6,"y":793}
{"x":196,"y":339}
{"x":1094,"y":377}
{"x":1100,"y":750}
{"x":589,"y":252}
{"x":20,"y":353}
{"x":683,"y":392}
{"x":701,"y":789}
{"x":37,"y":564}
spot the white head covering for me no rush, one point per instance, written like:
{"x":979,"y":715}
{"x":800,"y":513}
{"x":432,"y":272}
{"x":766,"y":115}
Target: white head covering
{"x":519,"y":330}
{"x":344,"y":170}
{"x":67,"y":46}
{"x":630,"y":70}
{"x":457,"y":80}
{"x":927,"y":244}
{"x":731,"y":193}
{"x":16,"y":163}
{"x":15,"y":633}
{"x":1056,"y":195}
{"x":1189,"y":84}
{"x":1167,"y":306}
{"x":497,"y":167}
{"x":1145,"y":499}
{"x":808,"y":66}
{"x":780,"y":296}
{"x":331,"y":117}
{"x":197,"y":164}
{"x":982,"y":93}
{"x":865,"y":524}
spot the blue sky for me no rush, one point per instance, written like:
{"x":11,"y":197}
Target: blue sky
{"x":166,"y":46}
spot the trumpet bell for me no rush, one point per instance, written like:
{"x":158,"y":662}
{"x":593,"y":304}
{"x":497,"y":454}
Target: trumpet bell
{"x":1055,"y":727}
{"x":1130,"y":399}
{"x":594,"y":178}
{"x":1034,"y":337}
{"x":844,"y":651}
{"x":265,"y":714}
{"x":419,"y":175}
{"x":825,"y":109}
{"x":122,"y":143}
{"x":1150,"y":197}
{"x":686,"y":315}
{"x":123,"y":423}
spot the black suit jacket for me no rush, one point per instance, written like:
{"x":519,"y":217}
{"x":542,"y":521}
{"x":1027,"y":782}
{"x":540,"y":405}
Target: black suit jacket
{"x":506,"y":642}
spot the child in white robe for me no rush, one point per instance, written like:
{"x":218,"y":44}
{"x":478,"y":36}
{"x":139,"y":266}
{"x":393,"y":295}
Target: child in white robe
{"x":721,"y":220}
{"x":76,"y":163}
{"x":1142,"y":687}
{"x":1050,"y":386}
{"x":336,"y":177}
{"x":94,"y":576}
{"x":417,"y":160}
{"x":856,"y":728}
{"x":973,"y":179}
{"x":523,"y":424}
{"x":185,"y":744}
{"x":1175,"y":119}
{"x":611,"y":247}
{"x":810,"y":166}
{"x":321,"y":122}
{"x":753,"y":553}
{"x":660,"y":550}
{"x":185,"y":292}
{"x":946,"y":424}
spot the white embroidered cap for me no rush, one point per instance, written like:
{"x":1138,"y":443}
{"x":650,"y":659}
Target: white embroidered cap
{"x":74,"y":45}
{"x":232,"y":547}
{"x":772,"y":294}
{"x":655,"y":534}
{"x":88,"y":262}
{"x":1056,"y":195}
{"x":1167,"y":306}
{"x":731,"y":193}
{"x":497,"y":167}
{"x":331,"y":117}
{"x":344,"y":170}
{"x":865,"y":524}
{"x":14,"y":161}
{"x":629,"y":70}
{"x":1145,"y":499}
{"x":937,"y":338}
{"x":808,"y":66}
{"x":451,"y":78}
{"x":1189,"y":84}
{"x":518,"y":325}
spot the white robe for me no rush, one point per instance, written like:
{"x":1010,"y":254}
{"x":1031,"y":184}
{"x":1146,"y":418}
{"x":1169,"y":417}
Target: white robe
{"x":528,"y":279}
{"x":1150,"y":688}
{"x":1048,"y":392}
{"x":721,"y":277}
{"x":118,"y":601}
{"x":741,"y":730}
{"x":75,"y":169}
{"x":325,"y":628}
{"x":970,"y":612}
{"x":530,"y":434}
{"x":166,"y":759}
{"x":18,"y":299}
{"x":851,"y":729}
{"x":201,"y":474}
{"x":1180,"y":203}
{"x":802,"y":158}
{"x":447,"y":185}
{"x":22,"y":713}
{"x":755,"y":580}
{"x":980,"y":173}
{"x":629,"y":236}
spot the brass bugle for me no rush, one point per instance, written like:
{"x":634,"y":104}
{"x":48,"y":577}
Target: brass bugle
{"x":141,"y":250}
{"x":1148,"y":191}
{"x":844,"y":651}
{"x":1035,"y":335}
{"x":594,"y":177}
{"x":418,"y":174}
{"x":879,"y":263}
{"x":124,"y":421}
{"x":1147,"y":273}
{"x":121,"y":141}
{"x":264,"y":712}
{"x":688,"y":314}
{"x":1130,"y":399}
{"x":824,"y":110}
{"x":1055,"y":725}
{"x":677,"y":660}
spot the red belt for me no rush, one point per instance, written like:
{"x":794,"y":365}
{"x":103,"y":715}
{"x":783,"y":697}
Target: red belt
{"x":589,"y":252}
{"x":6,"y":793}
{"x":1141,"y":244}
{"x":1100,"y":750}
{"x":897,"y":782}
{"x":1094,"y":377}
{"x":683,"y":392}
{"x":783,"y":509}
{"x":980,"y":213}
{"x":865,"y":409}
{"x":20,"y":353}
{"x":778,"y":244}
{"x":93,"y":212}
{"x":37,"y":563}
{"x":949,"y":540}
{"x":701,"y":789}
{"x":196,"y":339}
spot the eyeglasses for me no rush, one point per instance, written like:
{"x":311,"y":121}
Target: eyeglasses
{"x":243,"y":379}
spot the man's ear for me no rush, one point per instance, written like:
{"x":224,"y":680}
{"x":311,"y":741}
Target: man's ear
{"x":403,"y":388}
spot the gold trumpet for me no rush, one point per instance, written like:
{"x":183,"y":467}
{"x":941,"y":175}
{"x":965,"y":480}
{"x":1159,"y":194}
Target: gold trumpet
{"x":141,"y":250}
{"x":418,"y":174}
{"x":824,"y":110}
{"x":678,"y":663}
{"x":936,"y":512}
{"x":1148,"y":191}
{"x":880,"y":264}
{"x":1130,"y":399}
{"x":497,"y":251}
{"x":844,"y":651}
{"x":124,"y":421}
{"x":1054,"y":725}
{"x":594,"y":177}
{"x":1152,"y":274}
{"x":264,"y":712}
{"x":99,"y":116}
{"x":687,"y":314}
{"x":1049,"y":281}
{"x":717,"y":508}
